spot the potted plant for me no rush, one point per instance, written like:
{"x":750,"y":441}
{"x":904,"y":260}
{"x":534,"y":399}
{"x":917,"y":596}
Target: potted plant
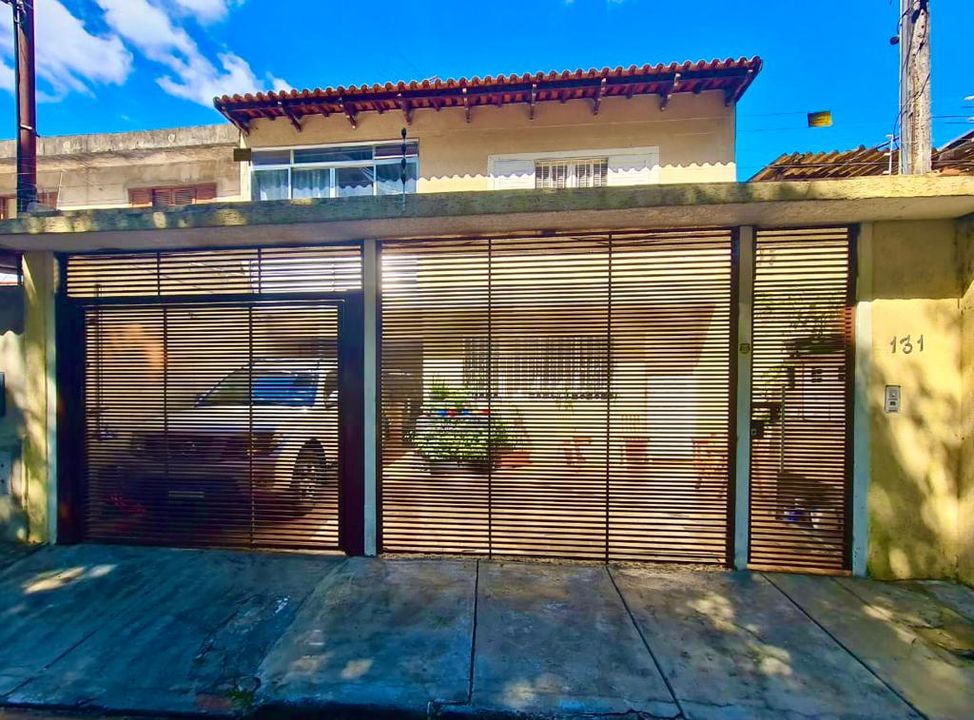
{"x":455,"y":432}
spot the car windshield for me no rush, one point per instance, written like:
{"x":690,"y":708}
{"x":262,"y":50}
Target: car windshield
{"x":270,"y":387}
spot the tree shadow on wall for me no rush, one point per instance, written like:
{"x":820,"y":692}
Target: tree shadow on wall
{"x":915,"y":463}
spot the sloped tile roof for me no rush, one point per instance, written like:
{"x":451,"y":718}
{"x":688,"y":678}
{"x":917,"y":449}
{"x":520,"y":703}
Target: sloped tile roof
{"x":730,"y":76}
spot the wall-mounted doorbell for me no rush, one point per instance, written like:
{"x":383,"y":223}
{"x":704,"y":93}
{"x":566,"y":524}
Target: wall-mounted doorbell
{"x":893,"y":400}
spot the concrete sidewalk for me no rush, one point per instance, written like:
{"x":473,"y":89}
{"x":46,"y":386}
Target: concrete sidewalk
{"x":156,"y":631}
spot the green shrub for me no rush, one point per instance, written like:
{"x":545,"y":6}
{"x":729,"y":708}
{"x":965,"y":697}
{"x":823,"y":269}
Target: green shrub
{"x":452,"y":429}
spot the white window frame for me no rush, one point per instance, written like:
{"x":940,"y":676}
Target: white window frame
{"x":333,"y":165}
{"x":571,"y":166}
{"x":586,"y":154}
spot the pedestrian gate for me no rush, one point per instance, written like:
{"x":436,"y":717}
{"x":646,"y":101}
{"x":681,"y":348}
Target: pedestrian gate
{"x":801,"y":399}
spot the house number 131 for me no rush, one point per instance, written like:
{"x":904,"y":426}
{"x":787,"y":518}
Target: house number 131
{"x":906,"y":344}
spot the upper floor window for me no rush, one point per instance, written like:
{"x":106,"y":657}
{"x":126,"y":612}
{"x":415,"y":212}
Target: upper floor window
{"x":573,"y":173}
{"x":173,"y":196}
{"x":575,"y":168}
{"x":334,"y":171}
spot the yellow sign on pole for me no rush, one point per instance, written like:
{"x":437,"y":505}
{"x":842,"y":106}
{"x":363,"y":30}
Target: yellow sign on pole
{"x":820,"y":119}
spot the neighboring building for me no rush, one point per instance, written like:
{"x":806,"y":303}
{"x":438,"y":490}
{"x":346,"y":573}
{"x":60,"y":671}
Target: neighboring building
{"x":161,"y":168}
{"x":571,"y":336}
{"x":623,"y":126}
{"x":954,"y":158}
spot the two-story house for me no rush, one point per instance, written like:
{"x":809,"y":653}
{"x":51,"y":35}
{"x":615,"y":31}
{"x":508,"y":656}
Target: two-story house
{"x":520,"y":315}
{"x":628,"y":126}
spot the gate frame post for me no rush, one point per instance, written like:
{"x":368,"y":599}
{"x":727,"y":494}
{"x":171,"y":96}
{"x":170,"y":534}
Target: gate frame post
{"x":351,"y":413}
{"x":745,"y":299}
{"x":72,"y":437}
{"x":370,"y":309}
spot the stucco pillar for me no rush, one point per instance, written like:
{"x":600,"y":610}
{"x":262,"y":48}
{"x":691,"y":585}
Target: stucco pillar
{"x":861,"y":421}
{"x":40,"y":411}
{"x":914,"y":449}
{"x":965,"y":530}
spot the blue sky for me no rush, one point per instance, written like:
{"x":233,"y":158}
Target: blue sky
{"x":112,"y":65}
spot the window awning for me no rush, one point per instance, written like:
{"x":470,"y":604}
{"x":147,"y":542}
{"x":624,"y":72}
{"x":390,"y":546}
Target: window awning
{"x":732,"y":77}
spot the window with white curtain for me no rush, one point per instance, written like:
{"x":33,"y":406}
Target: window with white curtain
{"x":575,"y":168}
{"x":569,"y":366}
{"x":334,"y":171}
{"x":573,"y":173}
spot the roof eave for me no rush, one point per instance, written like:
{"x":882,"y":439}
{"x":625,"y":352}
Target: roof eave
{"x":732,"y":77}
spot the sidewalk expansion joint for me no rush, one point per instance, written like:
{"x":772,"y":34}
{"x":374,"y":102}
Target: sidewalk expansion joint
{"x":842,"y":645}
{"x":642,"y":636}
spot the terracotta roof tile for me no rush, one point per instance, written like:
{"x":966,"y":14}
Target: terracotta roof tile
{"x":954,"y":158}
{"x":730,"y":76}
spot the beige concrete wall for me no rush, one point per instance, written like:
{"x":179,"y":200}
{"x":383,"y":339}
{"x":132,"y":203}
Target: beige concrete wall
{"x":13,"y":518}
{"x":965,"y":246}
{"x":98,"y":170}
{"x":104,"y":182}
{"x":913,"y":495}
{"x":40,"y":396}
{"x":695,"y":135}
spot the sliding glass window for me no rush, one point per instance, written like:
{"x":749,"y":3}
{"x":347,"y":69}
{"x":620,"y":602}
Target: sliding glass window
{"x":334,"y":171}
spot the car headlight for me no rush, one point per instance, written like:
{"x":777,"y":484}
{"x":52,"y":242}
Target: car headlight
{"x":261,"y":444}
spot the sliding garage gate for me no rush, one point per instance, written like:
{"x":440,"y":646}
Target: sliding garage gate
{"x":559,"y":396}
{"x":213,"y":390}
{"x":549,"y":395}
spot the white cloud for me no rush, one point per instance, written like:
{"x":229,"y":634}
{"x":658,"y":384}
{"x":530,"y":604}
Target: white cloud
{"x":72,"y":59}
{"x":206,"y":11}
{"x":6,"y":76}
{"x":147,"y":27}
{"x":69,"y":58}
{"x":276,"y":83}
{"x":191,"y":75}
{"x":200,"y":80}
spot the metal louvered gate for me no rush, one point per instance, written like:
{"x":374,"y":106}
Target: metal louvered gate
{"x":221,"y":397}
{"x":801,"y":399}
{"x":564,"y":396}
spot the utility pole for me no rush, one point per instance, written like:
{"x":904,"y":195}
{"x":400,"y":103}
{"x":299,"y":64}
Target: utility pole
{"x":26,"y":103}
{"x":916,"y":140}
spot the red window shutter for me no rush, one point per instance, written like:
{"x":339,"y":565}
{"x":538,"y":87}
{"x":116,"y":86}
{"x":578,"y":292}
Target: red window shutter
{"x":163,"y":198}
{"x":139,"y":197}
{"x":182,"y":196}
{"x":8,"y":203}
{"x":48,"y":199}
{"x":206,"y":192}
{"x":167,"y":197}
